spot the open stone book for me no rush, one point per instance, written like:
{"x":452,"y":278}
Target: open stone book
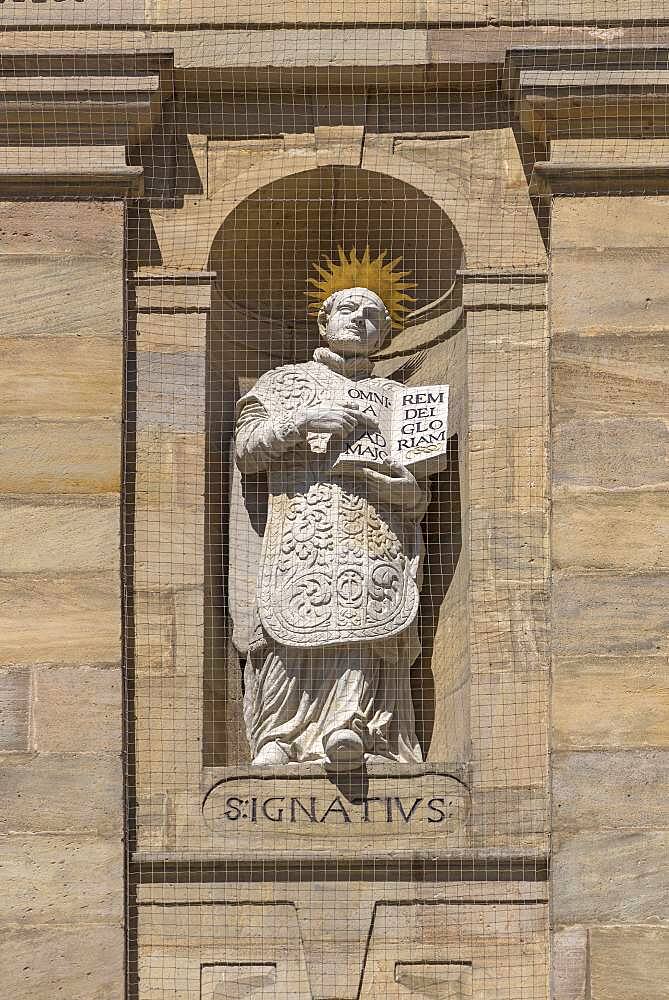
{"x":413,"y":427}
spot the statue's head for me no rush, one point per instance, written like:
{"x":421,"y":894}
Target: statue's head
{"x":354,"y":321}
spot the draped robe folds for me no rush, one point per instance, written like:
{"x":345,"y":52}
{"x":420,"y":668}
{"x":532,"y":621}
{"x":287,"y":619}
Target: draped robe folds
{"x":335,"y":629}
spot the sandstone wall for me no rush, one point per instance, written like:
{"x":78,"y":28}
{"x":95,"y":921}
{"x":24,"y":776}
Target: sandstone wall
{"x":610,"y":695}
{"x":61,"y":268}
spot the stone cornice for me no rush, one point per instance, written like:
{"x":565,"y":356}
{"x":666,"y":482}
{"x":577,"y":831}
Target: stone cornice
{"x":588,"y":91}
{"x":605,"y":178}
{"x":61,"y":171}
{"x":601,"y":114}
{"x":68,"y":120}
{"x":89,"y":98}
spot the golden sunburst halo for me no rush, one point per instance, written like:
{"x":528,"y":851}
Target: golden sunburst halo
{"x":380,"y":276}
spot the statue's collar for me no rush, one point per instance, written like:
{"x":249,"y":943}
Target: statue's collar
{"x":353,"y":368}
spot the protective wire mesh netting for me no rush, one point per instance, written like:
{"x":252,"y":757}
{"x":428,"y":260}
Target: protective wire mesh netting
{"x":335,"y":520}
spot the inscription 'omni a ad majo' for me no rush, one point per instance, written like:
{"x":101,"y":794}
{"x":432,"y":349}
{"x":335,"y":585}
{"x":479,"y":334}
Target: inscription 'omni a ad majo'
{"x":348,"y":457}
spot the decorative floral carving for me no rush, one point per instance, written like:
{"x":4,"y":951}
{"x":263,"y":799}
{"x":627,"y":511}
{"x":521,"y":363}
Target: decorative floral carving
{"x":364,"y":588}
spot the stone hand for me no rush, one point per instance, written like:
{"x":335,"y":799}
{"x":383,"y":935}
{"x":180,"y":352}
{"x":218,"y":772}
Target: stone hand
{"x":334,"y":418}
{"x":392,"y":484}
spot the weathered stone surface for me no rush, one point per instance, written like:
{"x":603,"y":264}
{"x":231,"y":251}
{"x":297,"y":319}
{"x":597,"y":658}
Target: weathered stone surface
{"x":109,"y":12}
{"x":610,"y":703}
{"x":611,"y":291}
{"x":68,"y":619}
{"x":14,"y":709}
{"x":154,"y":645}
{"x":81,"y":962}
{"x":508,"y":626}
{"x":60,"y":537}
{"x":513,"y":548}
{"x":61,"y":378}
{"x":169,"y":547}
{"x":189,"y":629}
{"x":348,"y":13}
{"x":629,"y":963}
{"x":420,"y":934}
{"x":509,"y":710}
{"x":609,"y":877}
{"x":624,"y":790}
{"x":627,"y":531}
{"x":598,"y":613}
{"x":291,"y":48}
{"x":609,"y":375}
{"x":62,"y":793}
{"x":171,"y":387}
{"x":81,"y":457}
{"x":97,"y":171}
{"x":611,"y":454}
{"x":609,"y":223}
{"x":77,"y":709}
{"x":62,"y":295}
{"x":171,"y":333}
{"x":508,"y":466}
{"x":170,"y":465}
{"x":509,"y":816}
{"x":166,"y":705}
{"x":295,"y":12}
{"x":626,"y":151}
{"x":228,"y":158}
{"x":520,"y":368}
{"x":59,"y":879}
{"x":588,"y":11}
{"x":450,"y":668}
{"x":63,"y":313}
{"x":569,"y":964}
{"x":185,"y":291}
{"x":57,"y":227}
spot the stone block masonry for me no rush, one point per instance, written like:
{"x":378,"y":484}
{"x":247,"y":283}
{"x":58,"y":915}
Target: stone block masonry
{"x":61,"y":834}
{"x":610,"y":482}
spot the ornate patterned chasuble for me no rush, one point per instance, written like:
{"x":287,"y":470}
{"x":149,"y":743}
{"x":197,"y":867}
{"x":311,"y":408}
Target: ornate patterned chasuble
{"x":334,"y":569}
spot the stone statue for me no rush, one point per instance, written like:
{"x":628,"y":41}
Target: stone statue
{"x":334,"y":631}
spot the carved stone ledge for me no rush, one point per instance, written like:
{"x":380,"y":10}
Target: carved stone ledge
{"x":503,"y":289}
{"x":549,"y":178}
{"x":64,"y":96}
{"x":492,"y":865}
{"x":61,"y":171}
{"x":162,"y":290}
{"x":559,"y":92}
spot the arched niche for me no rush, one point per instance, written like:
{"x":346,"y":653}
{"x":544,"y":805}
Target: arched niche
{"x":264,"y":251}
{"x":262,"y":256}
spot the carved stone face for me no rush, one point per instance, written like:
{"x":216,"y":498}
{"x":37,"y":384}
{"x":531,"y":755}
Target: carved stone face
{"x":354,"y":321}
